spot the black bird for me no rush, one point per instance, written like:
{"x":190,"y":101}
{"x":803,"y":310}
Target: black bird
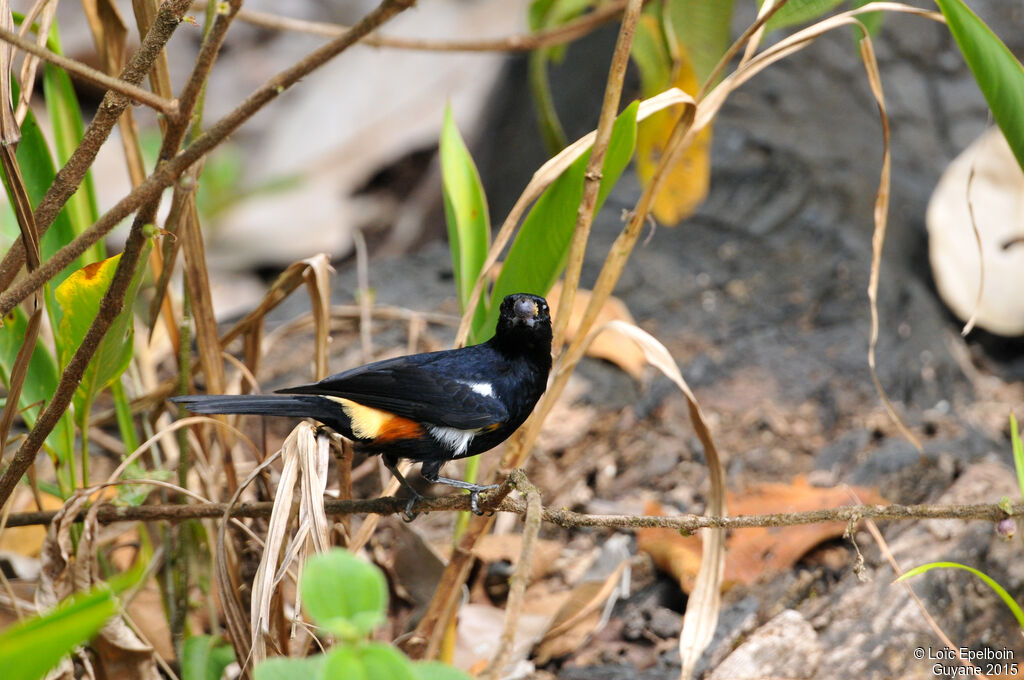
{"x":432,"y":407}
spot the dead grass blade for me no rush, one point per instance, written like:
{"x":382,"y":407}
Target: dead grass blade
{"x":881,"y":215}
{"x":43,"y":13}
{"x":317,"y":274}
{"x":159,"y":75}
{"x":305,"y":465}
{"x":10,"y":129}
{"x":705,"y":601}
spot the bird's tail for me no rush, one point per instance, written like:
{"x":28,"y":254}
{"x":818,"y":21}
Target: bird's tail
{"x":303,"y":406}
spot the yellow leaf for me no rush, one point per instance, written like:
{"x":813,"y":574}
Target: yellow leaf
{"x":686,"y":184}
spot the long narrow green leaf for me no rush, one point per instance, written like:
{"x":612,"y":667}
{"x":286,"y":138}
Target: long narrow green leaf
{"x":66,"y":119}
{"x":465,"y":207}
{"x":538,"y":255}
{"x":31,"y":648}
{"x":988,"y":580}
{"x":999,"y":74}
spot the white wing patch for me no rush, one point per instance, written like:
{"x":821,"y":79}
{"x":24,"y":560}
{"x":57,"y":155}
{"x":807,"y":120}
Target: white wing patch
{"x":481,"y":388}
{"x":455,"y":439}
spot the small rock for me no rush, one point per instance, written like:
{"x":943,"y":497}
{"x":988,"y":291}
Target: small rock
{"x":785,"y":647}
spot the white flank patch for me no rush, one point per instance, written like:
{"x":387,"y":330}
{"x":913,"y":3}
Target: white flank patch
{"x":455,"y":439}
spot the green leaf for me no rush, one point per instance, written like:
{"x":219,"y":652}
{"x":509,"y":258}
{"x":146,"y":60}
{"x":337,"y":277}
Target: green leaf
{"x":342,"y":662}
{"x":1018,"y":452}
{"x":32,"y":647}
{"x":798,"y":12}
{"x":465,"y":207}
{"x":384,"y":662}
{"x":309,"y":668}
{"x":700,"y":30}
{"x":66,"y":119}
{"x":434,"y":670}
{"x":538,"y":255}
{"x":650,"y":53}
{"x":344,"y":594}
{"x":79,"y":298}
{"x":40,"y":385}
{"x":988,"y":580}
{"x":998,"y":73}
{"x":204,"y":657}
{"x":38,"y":172}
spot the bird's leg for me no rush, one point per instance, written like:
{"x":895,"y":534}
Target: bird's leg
{"x":392,"y":465}
{"x":431,"y":472}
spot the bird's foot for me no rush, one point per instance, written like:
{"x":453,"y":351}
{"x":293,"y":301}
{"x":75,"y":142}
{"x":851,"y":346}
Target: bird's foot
{"x":474,"y":497}
{"x":473,"y":489}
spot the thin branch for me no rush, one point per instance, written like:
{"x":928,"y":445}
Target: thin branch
{"x":99,"y":78}
{"x":558,"y":35}
{"x":688,"y":523}
{"x":167,"y":172}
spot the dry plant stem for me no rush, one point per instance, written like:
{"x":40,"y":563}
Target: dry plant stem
{"x":98,"y":78}
{"x":688,"y":523}
{"x":113,"y":105}
{"x":516,"y":43}
{"x":595,"y":165}
{"x":881,"y":215}
{"x":520,"y":578}
{"x":168,"y":171}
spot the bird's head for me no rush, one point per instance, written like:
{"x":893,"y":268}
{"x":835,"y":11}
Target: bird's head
{"x":524,"y":319}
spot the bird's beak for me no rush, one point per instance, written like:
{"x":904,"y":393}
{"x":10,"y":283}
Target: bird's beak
{"x":526,"y":311}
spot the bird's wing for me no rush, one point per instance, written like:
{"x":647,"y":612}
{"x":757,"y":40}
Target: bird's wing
{"x":440,"y":388}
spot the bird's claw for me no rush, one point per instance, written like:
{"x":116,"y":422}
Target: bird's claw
{"x":407,"y":514}
{"x":474,"y":499}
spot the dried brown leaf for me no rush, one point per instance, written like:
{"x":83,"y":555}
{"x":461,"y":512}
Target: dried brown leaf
{"x":610,"y":344}
{"x":760,"y":552}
